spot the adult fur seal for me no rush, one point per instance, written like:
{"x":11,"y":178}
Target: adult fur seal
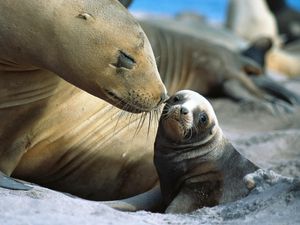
{"x":97,"y":46}
{"x":196,"y":164}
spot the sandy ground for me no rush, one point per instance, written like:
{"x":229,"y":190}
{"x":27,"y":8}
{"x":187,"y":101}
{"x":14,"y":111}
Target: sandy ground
{"x":273,"y":142}
{"x":267,"y":204}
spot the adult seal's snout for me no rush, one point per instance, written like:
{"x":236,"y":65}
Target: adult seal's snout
{"x":83,"y":45}
{"x":164,"y":97}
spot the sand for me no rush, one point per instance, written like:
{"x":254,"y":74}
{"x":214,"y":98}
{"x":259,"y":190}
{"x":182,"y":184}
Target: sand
{"x":271,"y":141}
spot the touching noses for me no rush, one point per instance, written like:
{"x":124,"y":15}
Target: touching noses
{"x":163,"y":98}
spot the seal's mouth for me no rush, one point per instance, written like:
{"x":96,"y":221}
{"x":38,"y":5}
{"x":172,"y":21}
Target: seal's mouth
{"x":123,"y":104}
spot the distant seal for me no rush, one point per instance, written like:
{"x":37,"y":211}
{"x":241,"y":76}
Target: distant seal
{"x":287,"y":18}
{"x":196,"y":164}
{"x":269,"y":19}
{"x":251,"y":20}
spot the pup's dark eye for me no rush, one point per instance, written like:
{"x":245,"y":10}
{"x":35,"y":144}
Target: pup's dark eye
{"x":203,"y":118}
{"x":176,"y":98}
{"x":124,"y":61}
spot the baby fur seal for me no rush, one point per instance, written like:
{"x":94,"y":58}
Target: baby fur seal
{"x":196,"y":164}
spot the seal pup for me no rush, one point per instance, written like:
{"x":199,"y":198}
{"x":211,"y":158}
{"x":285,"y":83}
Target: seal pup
{"x":197,"y":166}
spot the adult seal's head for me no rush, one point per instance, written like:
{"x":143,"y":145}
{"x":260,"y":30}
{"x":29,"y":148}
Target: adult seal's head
{"x":95,"y":45}
{"x":196,"y":165}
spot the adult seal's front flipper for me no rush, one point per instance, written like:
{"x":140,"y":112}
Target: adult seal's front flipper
{"x":276,"y":89}
{"x":9,"y":183}
{"x":258,"y":49}
{"x":147,"y":201}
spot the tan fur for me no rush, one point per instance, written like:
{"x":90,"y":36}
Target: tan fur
{"x":284,"y":62}
{"x":80,"y":41}
{"x":77,"y":143}
{"x":56,"y":134}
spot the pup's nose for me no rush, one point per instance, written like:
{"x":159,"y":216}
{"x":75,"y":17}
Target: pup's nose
{"x":184,"y":110}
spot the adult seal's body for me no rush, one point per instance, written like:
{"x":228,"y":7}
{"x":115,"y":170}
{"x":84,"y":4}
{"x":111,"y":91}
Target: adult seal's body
{"x":57,"y":134}
{"x":186,"y":60}
{"x":196,"y":164}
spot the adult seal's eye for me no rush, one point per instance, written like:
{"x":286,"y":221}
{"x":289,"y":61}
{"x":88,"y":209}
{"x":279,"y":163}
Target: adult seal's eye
{"x":124,"y":61}
{"x":203,"y":118}
{"x":85,"y":16}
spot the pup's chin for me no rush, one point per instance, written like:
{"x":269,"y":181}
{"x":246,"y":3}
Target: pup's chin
{"x":174,"y":130}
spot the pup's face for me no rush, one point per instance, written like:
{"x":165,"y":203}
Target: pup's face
{"x":188,"y":117}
